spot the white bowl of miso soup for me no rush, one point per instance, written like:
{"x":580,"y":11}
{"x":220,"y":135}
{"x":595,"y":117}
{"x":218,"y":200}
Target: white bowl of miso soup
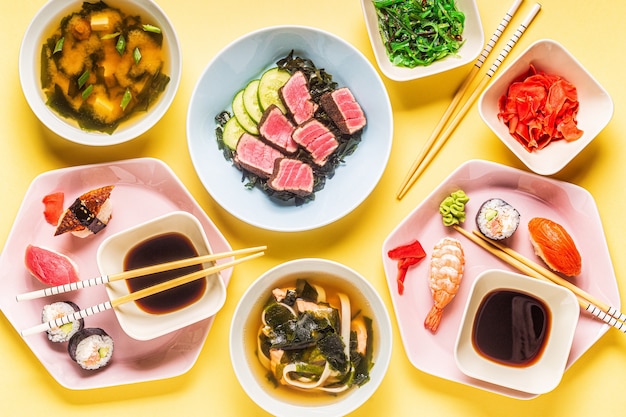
{"x":516,"y":331}
{"x":310,"y":337}
{"x":100,"y":73}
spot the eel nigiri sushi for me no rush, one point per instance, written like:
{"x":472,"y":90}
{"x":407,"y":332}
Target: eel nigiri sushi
{"x":89,"y":213}
{"x":555,"y":246}
{"x":50,"y":267}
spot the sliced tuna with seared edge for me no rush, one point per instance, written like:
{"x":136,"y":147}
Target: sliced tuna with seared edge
{"x":292,"y":175}
{"x":276,"y":129}
{"x":344,"y":110}
{"x":256,"y":156}
{"x":317,"y":139}
{"x":297,"y":98}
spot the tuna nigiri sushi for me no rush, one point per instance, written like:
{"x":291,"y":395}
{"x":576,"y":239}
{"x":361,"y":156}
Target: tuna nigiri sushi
{"x":555,"y":246}
{"x":50,"y":267}
{"x":89,"y":213}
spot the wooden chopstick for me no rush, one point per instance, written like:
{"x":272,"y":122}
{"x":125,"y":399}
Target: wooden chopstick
{"x":422,"y":162}
{"x":133,"y":296}
{"x":587,"y":302}
{"x":461,"y":92}
{"x":134,"y":273}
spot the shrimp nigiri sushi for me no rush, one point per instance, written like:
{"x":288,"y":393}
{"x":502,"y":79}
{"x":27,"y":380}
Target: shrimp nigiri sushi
{"x":446,"y":271}
{"x":555,"y":246}
{"x":89,"y":213}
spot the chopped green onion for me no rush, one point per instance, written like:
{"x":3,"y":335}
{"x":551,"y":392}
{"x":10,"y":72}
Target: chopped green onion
{"x":110,"y":36}
{"x":137,"y":55}
{"x":83,"y":79}
{"x":151,"y":28}
{"x":126,"y":99}
{"x":59,"y":46}
{"x":87,"y":91}
{"x":120,"y":46}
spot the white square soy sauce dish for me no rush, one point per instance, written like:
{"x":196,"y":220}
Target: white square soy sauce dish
{"x":551,"y":315}
{"x":136,"y":321}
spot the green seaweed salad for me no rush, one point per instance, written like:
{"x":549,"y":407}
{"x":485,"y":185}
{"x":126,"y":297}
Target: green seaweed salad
{"x":320,"y":82}
{"x":419,"y":32}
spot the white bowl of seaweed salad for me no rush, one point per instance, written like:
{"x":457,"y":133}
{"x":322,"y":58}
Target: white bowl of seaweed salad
{"x":100,"y":73}
{"x":305,"y":102}
{"x":342,"y":348}
{"x":416,"y":39}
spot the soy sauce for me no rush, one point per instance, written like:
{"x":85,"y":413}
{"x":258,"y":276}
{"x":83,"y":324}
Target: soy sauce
{"x":159,"y":249}
{"x":511,"y":328}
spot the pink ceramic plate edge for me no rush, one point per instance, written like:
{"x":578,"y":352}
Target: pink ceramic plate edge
{"x":533,"y":196}
{"x":144,"y":188}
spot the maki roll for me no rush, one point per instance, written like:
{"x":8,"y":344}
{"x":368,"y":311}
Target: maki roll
{"x":91,"y":348}
{"x":57,"y":310}
{"x":497,"y":219}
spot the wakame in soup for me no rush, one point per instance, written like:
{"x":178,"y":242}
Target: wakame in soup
{"x":313,"y":339}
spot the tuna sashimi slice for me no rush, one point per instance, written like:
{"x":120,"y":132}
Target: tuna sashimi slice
{"x":276,"y":129}
{"x":344,"y":110}
{"x":292,"y":175}
{"x":50,"y":267}
{"x":317,"y":139}
{"x":256,"y":156}
{"x":297,"y":98}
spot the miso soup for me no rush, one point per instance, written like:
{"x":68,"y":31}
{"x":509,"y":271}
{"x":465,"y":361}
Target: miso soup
{"x":101,"y":65}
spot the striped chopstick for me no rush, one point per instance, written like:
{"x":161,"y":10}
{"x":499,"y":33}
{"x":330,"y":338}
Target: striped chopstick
{"x":587,"y":302}
{"x":133,"y":296}
{"x":134,"y":273}
{"x":461,"y":91}
{"x":418,"y":168}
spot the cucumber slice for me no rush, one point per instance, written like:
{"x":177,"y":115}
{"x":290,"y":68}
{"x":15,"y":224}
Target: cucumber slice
{"x":242,"y":116}
{"x":251,"y":100}
{"x":232,"y":132}
{"x":269,"y":84}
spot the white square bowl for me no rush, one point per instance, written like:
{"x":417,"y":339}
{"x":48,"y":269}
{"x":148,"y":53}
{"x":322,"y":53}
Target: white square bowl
{"x":136,"y":322}
{"x":473,"y":34}
{"x":595,"y":111}
{"x":545,"y":372}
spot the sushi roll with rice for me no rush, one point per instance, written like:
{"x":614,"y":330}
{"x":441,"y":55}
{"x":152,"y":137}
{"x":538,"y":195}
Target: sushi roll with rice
{"x":91,"y":348}
{"x":57,"y":310}
{"x":497,"y":219}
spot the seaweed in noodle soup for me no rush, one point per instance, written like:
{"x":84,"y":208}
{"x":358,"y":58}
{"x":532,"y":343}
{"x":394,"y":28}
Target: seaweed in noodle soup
{"x":314,"y":342}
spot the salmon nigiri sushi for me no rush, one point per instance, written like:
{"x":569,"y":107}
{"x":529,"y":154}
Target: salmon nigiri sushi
{"x":89,"y":213}
{"x":555,"y":246}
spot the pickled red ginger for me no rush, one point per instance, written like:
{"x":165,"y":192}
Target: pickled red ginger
{"x":540,"y":108}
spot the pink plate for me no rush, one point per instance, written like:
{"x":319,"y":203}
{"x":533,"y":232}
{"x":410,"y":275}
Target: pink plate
{"x":533,"y":196}
{"x":144,"y":188}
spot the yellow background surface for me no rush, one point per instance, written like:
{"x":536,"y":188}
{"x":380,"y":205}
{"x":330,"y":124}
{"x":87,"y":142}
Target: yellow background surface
{"x":591,"y":31}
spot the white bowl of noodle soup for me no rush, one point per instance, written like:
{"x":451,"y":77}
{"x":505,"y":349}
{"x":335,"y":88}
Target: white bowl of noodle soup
{"x":284,"y":400}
